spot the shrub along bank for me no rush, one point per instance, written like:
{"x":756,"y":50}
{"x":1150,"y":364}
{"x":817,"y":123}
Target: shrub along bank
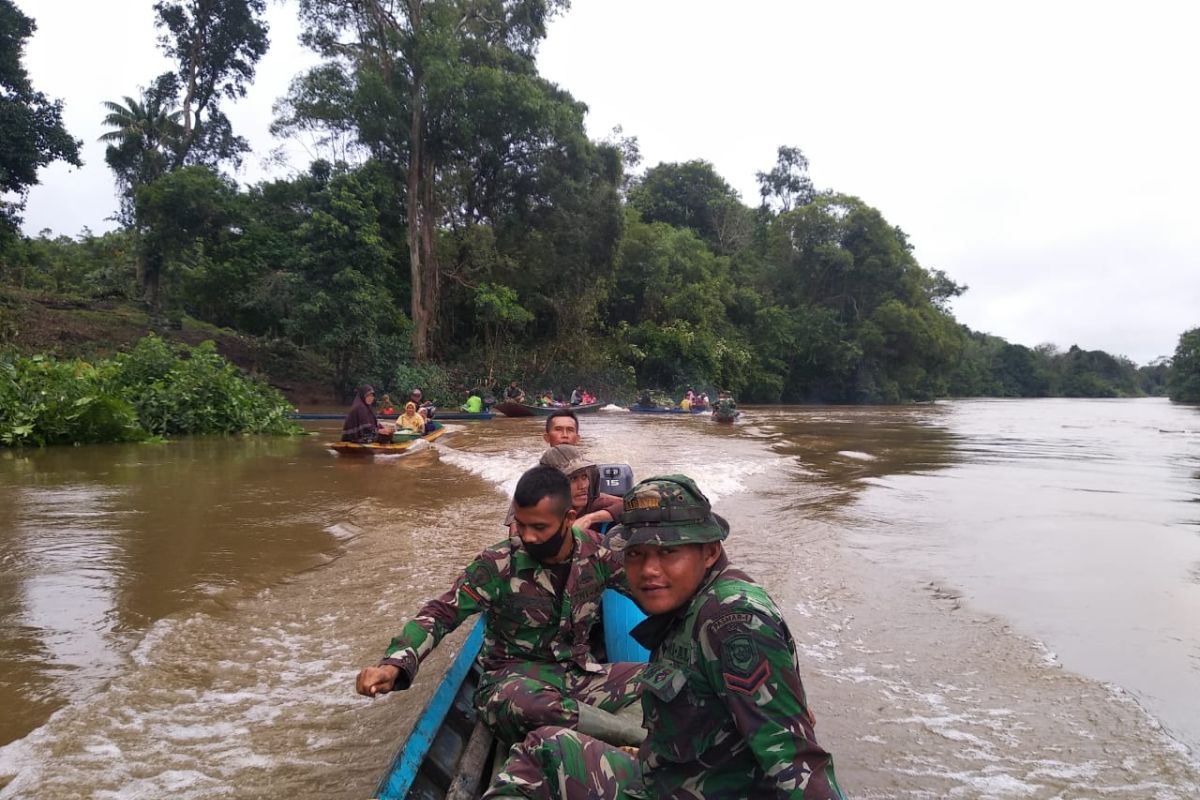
{"x":156,"y":389}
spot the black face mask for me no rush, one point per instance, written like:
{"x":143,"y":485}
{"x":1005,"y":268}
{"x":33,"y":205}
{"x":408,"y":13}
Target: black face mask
{"x":542,"y":551}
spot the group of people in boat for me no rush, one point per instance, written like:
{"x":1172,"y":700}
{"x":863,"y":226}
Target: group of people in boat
{"x":364,"y":427}
{"x":718,"y":712}
{"x":579,"y":397}
{"x":691,"y":401}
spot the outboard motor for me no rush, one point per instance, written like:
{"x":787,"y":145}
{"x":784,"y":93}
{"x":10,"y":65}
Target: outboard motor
{"x":620,"y":613}
{"x":616,"y":479}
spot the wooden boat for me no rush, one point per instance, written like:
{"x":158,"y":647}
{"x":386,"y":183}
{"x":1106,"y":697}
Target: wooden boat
{"x":450,"y":753}
{"x":400,"y":442}
{"x":449,"y":750}
{"x":462,"y":415}
{"x":640,"y":409}
{"x":511,"y":409}
{"x":452,"y":415}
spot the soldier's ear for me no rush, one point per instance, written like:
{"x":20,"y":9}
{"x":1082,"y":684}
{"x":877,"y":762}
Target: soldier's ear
{"x":712,"y":551}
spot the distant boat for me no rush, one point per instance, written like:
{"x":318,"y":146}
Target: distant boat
{"x":400,"y":442}
{"x":461,"y":415}
{"x":637,"y":408}
{"x":511,"y":409}
{"x":454,"y":415}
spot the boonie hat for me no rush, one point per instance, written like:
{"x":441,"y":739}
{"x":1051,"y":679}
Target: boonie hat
{"x":665,"y":511}
{"x":566,"y":458}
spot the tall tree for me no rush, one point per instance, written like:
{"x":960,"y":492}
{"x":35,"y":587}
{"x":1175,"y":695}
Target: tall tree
{"x":142,"y":141}
{"x":1183,"y":386}
{"x":787,"y":185}
{"x":409,"y":68}
{"x":31,"y":127}
{"x":692,"y":195}
{"x":216,"y":45}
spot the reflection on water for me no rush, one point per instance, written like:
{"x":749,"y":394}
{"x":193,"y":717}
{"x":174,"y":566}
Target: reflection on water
{"x":1071,"y":518}
{"x":99,"y":542}
{"x":172,"y":589}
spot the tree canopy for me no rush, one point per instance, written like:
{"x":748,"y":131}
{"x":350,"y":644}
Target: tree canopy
{"x":31,"y":126}
{"x":458,"y":221}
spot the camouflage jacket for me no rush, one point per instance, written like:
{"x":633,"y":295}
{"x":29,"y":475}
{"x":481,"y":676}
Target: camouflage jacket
{"x":723,"y":702}
{"x":523,"y":618}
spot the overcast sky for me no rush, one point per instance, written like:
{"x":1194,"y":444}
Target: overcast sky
{"x":1046,"y":154}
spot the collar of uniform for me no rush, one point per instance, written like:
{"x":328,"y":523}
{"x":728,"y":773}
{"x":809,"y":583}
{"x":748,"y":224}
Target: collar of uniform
{"x":650,"y":632}
{"x":522,"y":561}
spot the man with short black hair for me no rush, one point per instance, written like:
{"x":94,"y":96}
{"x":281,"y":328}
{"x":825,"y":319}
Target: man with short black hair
{"x":539,"y":592}
{"x":514,"y":393}
{"x":562,"y":427}
{"x":725,"y":711}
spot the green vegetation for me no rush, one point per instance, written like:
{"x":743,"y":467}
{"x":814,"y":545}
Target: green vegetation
{"x":1183,"y":384}
{"x":458,"y":228}
{"x":154,"y":390}
{"x":31,"y":126}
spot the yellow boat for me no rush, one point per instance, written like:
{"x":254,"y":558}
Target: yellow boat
{"x":400,"y":442}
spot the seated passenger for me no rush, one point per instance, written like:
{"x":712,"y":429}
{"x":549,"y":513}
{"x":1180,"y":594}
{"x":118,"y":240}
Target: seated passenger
{"x":474,"y":404}
{"x":514,"y":393}
{"x":360,"y":425}
{"x":424,"y":407}
{"x":410,"y":419}
{"x":386,"y":408}
{"x":592,"y":508}
{"x":539,"y":594}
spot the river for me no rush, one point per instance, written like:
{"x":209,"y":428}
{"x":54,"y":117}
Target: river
{"x":991,"y":598}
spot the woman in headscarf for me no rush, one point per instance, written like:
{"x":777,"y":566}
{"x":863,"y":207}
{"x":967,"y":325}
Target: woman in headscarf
{"x":361,"y":425}
{"x":411,"y":419}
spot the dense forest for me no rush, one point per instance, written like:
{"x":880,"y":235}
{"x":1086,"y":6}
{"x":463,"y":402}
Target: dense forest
{"x":459,"y":228}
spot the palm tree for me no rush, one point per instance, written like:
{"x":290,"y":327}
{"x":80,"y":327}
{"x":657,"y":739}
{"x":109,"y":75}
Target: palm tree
{"x":141,"y":149}
{"x":142,"y":142}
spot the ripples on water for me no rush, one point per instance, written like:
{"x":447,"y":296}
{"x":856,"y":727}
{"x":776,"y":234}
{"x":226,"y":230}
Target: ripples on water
{"x":240,"y":682}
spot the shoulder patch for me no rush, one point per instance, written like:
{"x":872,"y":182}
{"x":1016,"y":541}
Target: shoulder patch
{"x":743,"y":667}
{"x":731,"y":619}
{"x":481,"y":572}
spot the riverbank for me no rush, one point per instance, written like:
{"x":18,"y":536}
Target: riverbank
{"x":36,"y":323}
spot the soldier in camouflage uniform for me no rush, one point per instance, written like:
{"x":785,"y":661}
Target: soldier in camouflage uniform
{"x":724,"y":707}
{"x":539,"y":593}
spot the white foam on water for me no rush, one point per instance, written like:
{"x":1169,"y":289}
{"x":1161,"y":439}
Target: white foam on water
{"x":856,"y":455}
{"x":727,"y":478}
{"x":343,"y":531}
{"x":614,"y":407}
{"x":502,"y":470}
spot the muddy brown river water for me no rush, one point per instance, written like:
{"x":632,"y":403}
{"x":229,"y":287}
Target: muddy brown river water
{"x":992,"y":598}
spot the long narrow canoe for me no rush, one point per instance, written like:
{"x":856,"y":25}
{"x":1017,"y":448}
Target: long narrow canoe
{"x":460,"y":415}
{"x":510,"y":409}
{"x":640,"y":409}
{"x":454,"y":415}
{"x":450,"y":752}
{"x":443,"y":750}
{"x":400,"y":442}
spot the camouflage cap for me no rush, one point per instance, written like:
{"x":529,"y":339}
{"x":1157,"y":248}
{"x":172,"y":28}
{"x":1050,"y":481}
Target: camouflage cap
{"x":665,"y":511}
{"x":566,"y":458}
